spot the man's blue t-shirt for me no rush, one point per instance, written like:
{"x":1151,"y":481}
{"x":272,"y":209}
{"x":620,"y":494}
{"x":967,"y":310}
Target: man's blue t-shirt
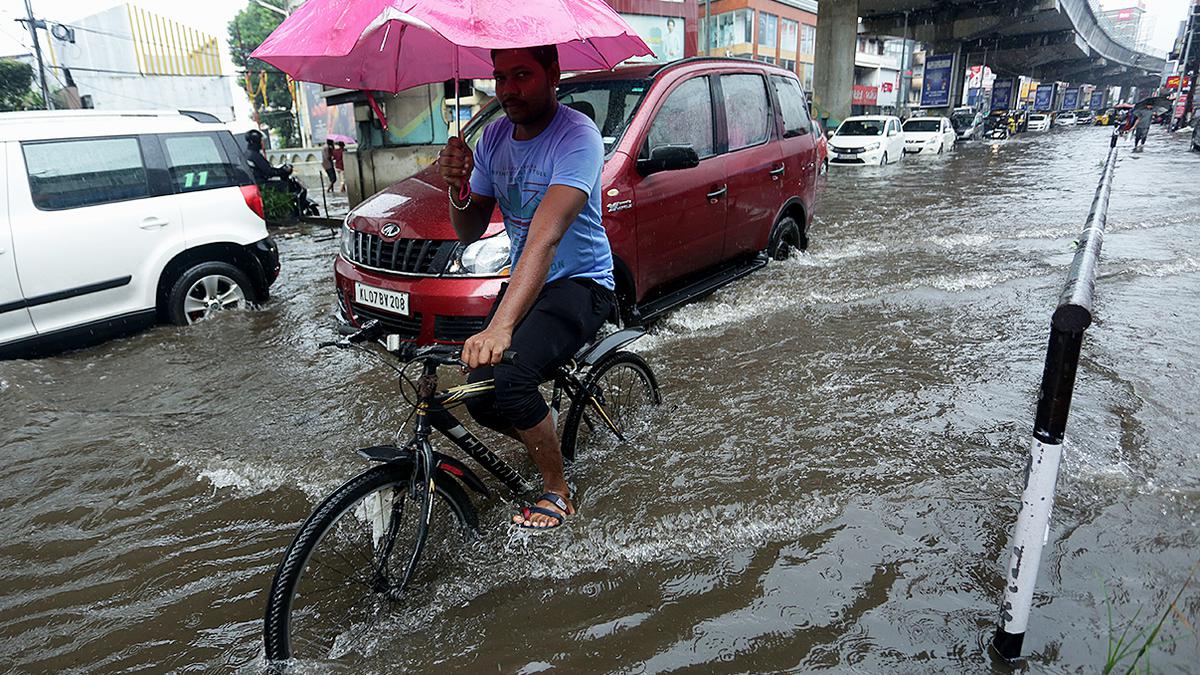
{"x":517,"y":173}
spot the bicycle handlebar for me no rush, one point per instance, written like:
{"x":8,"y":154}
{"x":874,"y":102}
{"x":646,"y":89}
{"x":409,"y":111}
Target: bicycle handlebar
{"x":445,"y":355}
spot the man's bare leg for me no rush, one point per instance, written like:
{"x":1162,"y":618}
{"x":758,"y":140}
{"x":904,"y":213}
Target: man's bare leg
{"x":542,"y":444}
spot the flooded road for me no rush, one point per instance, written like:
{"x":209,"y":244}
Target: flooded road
{"x":833,"y":485}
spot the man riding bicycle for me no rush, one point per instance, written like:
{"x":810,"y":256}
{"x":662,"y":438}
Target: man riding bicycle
{"x":541,"y":163}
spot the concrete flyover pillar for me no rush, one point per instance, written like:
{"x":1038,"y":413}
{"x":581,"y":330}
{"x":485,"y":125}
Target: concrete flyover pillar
{"x":833,"y":76}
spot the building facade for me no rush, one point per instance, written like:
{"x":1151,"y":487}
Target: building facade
{"x":127,"y":58}
{"x":780,"y":32}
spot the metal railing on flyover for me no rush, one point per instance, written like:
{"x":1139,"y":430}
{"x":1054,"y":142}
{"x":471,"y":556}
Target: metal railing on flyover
{"x":1069,"y":322}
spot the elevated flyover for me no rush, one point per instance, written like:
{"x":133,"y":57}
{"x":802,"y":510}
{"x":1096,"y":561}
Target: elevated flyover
{"x":1045,"y":39}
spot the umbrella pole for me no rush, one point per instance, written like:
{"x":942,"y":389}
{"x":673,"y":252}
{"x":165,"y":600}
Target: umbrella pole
{"x":465,"y":190}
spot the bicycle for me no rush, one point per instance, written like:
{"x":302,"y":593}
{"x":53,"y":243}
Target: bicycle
{"x":347,"y":561}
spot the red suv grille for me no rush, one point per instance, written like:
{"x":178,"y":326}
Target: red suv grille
{"x":407,"y":256}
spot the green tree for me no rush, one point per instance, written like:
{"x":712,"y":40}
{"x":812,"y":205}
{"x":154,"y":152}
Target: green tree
{"x":16,"y":87}
{"x":247,"y":31}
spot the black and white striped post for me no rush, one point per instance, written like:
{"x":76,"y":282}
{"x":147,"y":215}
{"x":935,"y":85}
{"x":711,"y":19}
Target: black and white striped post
{"x":1071,"y":318}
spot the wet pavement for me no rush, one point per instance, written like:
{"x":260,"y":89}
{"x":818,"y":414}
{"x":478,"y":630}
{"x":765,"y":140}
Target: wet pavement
{"x":832,"y":486}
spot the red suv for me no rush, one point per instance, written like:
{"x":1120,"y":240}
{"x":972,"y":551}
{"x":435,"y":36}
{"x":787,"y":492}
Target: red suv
{"x":710,"y":169}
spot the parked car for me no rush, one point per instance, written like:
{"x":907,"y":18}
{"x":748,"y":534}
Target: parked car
{"x":1105,"y":118}
{"x":928,"y":134}
{"x":867,"y":139}
{"x":710,"y":168}
{"x":114,"y":221}
{"x":968,"y":123}
{"x":1084,"y":118}
{"x":1039,"y":121}
{"x":1065,"y":119}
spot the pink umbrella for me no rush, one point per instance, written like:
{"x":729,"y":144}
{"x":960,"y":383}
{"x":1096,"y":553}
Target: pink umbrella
{"x":390,"y":45}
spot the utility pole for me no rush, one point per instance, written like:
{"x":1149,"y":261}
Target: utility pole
{"x":905,"y":77}
{"x":37,"y":51}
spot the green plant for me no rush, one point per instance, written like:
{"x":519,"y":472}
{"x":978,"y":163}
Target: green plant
{"x":16,"y":82}
{"x":277,"y":205}
{"x":1122,"y":647}
{"x":247,"y":31}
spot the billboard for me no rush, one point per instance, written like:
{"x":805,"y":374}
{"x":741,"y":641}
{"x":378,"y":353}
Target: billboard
{"x":935,"y":89}
{"x":662,"y":34}
{"x":1097,"y":100}
{"x":1002,"y":91}
{"x":1043,"y":99}
{"x":1070,"y":100}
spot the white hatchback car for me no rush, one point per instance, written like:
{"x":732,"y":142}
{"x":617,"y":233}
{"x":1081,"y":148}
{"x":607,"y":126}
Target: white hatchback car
{"x":1039,"y":122}
{"x":867,"y":139}
{"x":1066,"y":119}
{"x":930,"y":135}
{"x":112,"y":221}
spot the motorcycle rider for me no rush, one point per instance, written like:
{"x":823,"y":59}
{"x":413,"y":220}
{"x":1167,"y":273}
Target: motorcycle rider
{"x":275,"y":178}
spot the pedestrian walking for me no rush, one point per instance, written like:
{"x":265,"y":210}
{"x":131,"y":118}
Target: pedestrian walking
{"x":339,"y":163}
{"x":327,"y":163}
{"x":1140,"y":121}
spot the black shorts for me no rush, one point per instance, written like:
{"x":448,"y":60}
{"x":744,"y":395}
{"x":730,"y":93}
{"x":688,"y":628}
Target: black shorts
{"x":332,"y":174}
{"x":566,"y":316}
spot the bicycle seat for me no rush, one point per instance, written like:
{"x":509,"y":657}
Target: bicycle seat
{"x":595,"y":351}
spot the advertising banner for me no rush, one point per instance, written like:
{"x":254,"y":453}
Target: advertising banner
{"x":1097,"y":100}
{"x":662,"y":34}
{"x":1070,"y":100}
{"x":1043,"y":99}
{"x":935,"y":89}
{"x":1002,"y":91}
{"x":865,"y":94}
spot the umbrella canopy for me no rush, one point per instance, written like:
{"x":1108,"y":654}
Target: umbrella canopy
{"x":340,"y":137}
{"x":1157,"y":102}
{"x":391,"y":45}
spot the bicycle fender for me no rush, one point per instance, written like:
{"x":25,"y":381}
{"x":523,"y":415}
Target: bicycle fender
{"x":385,"y":453}
{"x":608,"y":345}
{"x":452,"y":466}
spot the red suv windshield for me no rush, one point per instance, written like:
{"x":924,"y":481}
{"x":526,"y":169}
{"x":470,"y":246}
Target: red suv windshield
{"x":610,"y":104}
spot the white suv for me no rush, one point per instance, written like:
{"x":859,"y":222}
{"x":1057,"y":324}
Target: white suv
{"x":112,"y":221}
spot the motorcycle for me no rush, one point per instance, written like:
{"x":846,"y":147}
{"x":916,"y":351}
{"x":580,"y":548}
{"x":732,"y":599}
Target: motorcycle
{"x":301,"y":204}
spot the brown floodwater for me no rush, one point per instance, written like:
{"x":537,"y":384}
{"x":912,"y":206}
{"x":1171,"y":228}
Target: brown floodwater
{"x":831,"y":485}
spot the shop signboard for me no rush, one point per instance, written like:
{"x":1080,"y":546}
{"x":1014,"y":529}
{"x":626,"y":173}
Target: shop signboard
{"x":1070,"y":100}
{"x":865,"y":94}
{"x":1097,"y":100}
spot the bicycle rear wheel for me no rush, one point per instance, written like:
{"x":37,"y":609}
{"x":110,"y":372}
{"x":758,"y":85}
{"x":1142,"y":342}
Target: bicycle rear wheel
{"x":344,"y":572}
{"x":621,"y":391}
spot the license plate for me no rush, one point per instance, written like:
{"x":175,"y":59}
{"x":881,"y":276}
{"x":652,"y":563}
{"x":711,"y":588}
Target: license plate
{"x":847,"y":156}
{"x":391,"y":301}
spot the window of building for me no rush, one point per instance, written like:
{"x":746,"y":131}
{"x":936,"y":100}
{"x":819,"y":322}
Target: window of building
{"x":789,"y":32}
{"x":685,"y":119}
{"x":765,"y":59}
{"x":71,"y":174}
{"x":792,"y":105}
{"x":732,"y":28}
{"x":768,"y":31}
{"x":808,"y":39}
{"x":806,"y":75}
{"x":196,"y":163}
{"x":788,"y":63}
{"x":747,"y":109}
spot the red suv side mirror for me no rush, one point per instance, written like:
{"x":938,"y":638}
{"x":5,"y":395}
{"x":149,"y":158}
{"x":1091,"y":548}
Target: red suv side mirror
{"x":669,"y":158}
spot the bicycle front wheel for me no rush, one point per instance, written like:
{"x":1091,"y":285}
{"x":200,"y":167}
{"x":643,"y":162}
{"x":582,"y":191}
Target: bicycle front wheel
{"x":618,"y":396}
{"x":346,"y":569}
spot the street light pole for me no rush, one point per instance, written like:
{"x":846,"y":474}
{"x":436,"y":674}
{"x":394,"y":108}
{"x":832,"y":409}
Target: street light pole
{"x":905,"y":77}
{"x":37,"y":51}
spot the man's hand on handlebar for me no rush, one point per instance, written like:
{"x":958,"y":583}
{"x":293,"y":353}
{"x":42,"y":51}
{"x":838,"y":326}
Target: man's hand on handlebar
{"x":486,"y":348}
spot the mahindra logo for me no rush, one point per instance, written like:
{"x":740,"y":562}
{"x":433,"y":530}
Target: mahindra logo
{"x":390,"y":231}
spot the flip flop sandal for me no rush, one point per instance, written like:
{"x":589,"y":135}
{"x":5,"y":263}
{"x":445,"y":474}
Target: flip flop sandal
{"x":554,"y":499}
